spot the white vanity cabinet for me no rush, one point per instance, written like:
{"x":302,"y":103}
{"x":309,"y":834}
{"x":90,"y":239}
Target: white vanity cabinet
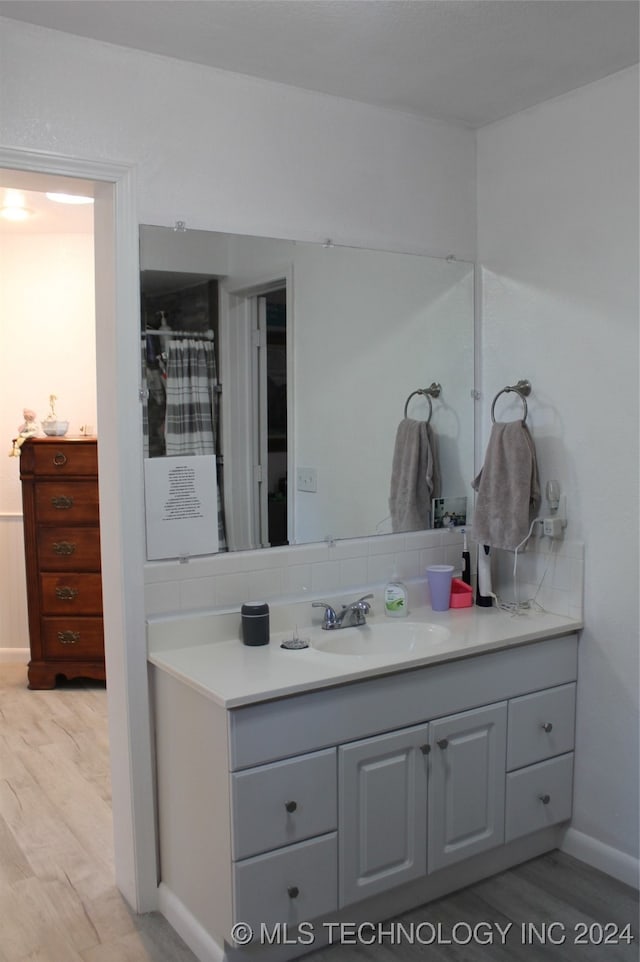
{"x":303,"y":807}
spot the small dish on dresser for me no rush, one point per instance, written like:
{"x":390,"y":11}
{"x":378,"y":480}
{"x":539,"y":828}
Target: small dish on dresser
{"x":55,"y":428}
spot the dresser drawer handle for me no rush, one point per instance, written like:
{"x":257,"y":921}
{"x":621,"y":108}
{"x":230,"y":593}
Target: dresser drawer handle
{"x":545,"y":799}
{"x":63,"y":548}
{"x":68,"y":637}
{"x":59,"y":459}
{"x":62,"y":503}
{"x":291,"y":806}
{"x":293,"y":891}
{"x":547,"y":726}
{"x":65,"y":593}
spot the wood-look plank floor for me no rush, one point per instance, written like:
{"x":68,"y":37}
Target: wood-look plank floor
{"x":59,"y":903}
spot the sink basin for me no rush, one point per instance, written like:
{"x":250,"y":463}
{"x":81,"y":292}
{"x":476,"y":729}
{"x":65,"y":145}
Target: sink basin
{"x":403,"y":639}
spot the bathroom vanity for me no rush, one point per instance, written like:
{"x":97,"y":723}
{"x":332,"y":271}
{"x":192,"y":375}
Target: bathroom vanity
{"x":312,"y":786}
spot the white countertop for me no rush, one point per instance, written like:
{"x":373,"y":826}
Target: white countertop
{"x":232,"y":674}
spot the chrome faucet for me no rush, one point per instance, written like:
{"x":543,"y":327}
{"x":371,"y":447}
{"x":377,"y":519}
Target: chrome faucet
{"x":351,"y":615}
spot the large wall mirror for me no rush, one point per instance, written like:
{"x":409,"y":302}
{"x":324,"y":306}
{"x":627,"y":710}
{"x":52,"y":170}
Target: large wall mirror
{"x":297,"y":363}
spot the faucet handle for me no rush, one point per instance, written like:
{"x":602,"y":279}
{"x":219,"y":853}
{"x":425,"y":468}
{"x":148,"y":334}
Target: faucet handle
{"x":362,"y":603}
{"x":330,"y":617}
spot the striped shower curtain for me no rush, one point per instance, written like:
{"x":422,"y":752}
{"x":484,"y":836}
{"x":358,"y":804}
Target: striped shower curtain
{"x":191,"y":412}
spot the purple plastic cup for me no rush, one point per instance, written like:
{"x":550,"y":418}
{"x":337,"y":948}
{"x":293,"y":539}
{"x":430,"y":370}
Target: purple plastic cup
{"x":439,"y":578}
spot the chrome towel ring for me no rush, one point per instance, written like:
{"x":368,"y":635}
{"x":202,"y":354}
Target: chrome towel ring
{"x":428,"y":392}
{"x":522,"y":389}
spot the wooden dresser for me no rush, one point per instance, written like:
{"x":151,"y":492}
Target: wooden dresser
{"x":62,"y":550}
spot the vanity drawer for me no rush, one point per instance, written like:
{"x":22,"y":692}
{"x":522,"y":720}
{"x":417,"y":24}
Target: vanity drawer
{"x":67,"y":502}
{"x":541,"y":725}
{"x":72,"y":638}
{"x":539,"y":796}
{"x":71,"y":594}
{"x":292,"y":885}
{"x":275,"y":805}
{"x":69,"y":549}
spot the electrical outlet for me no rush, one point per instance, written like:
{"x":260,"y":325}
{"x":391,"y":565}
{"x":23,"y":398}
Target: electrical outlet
{"x":307,"y":479}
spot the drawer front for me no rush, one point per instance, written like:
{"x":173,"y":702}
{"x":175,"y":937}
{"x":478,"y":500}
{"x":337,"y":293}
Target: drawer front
{"x":292,"y":885}
{"x":286,"y":802}
{"x":69,"y":549}
{"x":67,"y":502}
{"x":71,"y":594}
{"x":57,"y":458}
{"x":75,"y":638}
{"x":541,"y":725}
{"x":539,"y":796}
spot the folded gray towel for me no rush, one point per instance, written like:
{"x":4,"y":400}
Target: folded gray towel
{"x":415,"y":476}
{"x":507,"y":486}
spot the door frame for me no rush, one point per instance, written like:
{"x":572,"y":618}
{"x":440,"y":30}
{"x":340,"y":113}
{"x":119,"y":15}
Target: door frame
{"x":120,"y":471}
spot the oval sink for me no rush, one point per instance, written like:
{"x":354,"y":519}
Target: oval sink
{"x":404,"y":639}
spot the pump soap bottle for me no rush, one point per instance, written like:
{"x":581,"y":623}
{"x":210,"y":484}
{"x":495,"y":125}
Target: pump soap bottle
{"x":396,"y":598}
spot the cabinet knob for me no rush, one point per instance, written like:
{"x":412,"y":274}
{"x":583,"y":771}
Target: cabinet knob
{"x":545,"y":799}
{"x":443,"y":743}
{"x":425,"y":749}
{"x":62,"y":503}
{"x":65,"y":593}
{"x":547,"y":726}
{"x":59,"y":459}
{"x":293,"y":891}
{"x":291,"y":806}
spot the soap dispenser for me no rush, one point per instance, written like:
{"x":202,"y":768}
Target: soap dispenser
{"x":396,"y":598}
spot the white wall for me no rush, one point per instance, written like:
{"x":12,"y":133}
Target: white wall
{"x":558,"y":249}
{"x":47,"y":339}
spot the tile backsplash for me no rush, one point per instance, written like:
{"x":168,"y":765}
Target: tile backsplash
{"x":222,"y":582}
{"x":552,"y":573}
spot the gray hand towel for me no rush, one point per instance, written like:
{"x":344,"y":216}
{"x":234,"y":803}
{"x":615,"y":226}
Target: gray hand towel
{"x":507,"y":486}
{"x":415,"y":476}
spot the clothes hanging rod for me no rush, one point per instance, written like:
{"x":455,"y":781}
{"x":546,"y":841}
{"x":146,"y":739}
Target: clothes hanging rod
{"x":206,"y":335}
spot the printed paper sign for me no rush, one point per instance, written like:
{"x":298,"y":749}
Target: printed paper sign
{"x":181,"y":506}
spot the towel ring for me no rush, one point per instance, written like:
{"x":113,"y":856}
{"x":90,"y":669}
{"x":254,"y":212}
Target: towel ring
{"x":522,"y":389}
{"x":428,"y":393}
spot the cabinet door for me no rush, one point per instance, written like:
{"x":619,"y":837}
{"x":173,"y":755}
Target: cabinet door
{"x":382,"y":812}
{"x":466,"y":784}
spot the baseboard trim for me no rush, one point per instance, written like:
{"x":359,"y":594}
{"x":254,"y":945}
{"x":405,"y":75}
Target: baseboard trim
{"x":16,"y":656}
{"x":607,"y":859}
{"x":188,"y":928}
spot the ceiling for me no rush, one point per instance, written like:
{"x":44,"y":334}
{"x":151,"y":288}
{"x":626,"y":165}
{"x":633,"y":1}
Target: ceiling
{"x":468,"y":62}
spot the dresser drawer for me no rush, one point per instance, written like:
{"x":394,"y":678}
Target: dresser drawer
{"x":69,"y":549}
{"x":53,"y":458}
{"x":541,"y":725}
{"x":286,"y":802}
{"x":71,"y":593}
{"x":73,"y":638}
{"x":67,"y":502}
{"x":292,"y":885}
{"x":538,"y":796}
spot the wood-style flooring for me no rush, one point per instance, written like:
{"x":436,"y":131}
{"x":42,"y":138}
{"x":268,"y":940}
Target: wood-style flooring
{"x":59,"y":903}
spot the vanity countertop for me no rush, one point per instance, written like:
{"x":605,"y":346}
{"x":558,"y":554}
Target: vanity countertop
{"x":233,"y":674}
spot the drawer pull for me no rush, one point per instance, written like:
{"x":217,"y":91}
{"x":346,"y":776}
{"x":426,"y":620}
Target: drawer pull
{"x":68,"y":637}
{"x":443,"y":743}
{"x":425,"y":749}
{"x":62,"y":503}
{"x":63,"y":548}
{"x":547,"y":726}
{"x":65,"y":593}
{"x":293,"y":891}
{"x":59,"y":459}
{"x":545,"y":799}
{"x":291,"y":806}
